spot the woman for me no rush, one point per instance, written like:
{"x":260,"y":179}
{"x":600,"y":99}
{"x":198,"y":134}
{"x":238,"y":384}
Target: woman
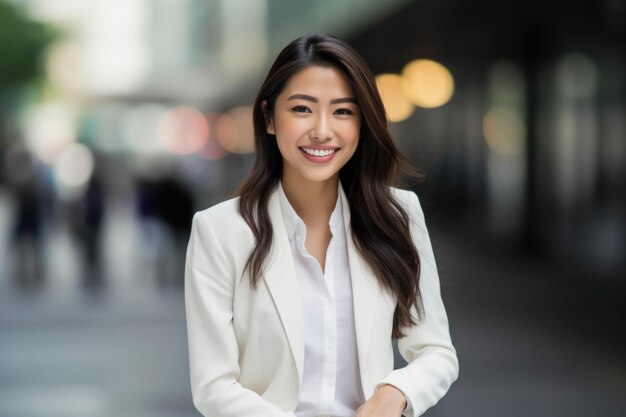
{"x":295,"y":288}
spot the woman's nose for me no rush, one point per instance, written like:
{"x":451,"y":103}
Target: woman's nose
{"x":322,"y":128}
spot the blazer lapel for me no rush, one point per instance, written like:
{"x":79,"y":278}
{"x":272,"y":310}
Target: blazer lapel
{"x":365,"y":290}
{"x":280,"y":277}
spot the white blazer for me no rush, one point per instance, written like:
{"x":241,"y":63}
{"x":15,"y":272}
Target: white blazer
{"x":246,"y":347}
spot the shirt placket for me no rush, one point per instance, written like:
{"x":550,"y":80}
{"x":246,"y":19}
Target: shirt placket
{"x":330,"y":333}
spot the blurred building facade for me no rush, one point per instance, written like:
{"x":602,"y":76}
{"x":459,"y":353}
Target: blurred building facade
{"x":526,"y":141}
{"x":531,"y":148}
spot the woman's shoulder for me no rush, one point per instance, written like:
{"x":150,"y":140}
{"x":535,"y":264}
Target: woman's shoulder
{"x":221,"y":208}
{"x":224,"y":214}
{"x":225,"y":224}
{"x":405,"y":197}
{"x":410,"y":202}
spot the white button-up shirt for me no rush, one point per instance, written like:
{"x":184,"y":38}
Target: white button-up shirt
{"x":331,"y":383}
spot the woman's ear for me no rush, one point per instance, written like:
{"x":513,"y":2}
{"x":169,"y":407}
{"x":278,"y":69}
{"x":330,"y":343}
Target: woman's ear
{"x":269,"y":125}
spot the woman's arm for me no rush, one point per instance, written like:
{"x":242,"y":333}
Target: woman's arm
{"x":213,"y":350}
{"x":432,"y":361}
{"x":387,"y":401}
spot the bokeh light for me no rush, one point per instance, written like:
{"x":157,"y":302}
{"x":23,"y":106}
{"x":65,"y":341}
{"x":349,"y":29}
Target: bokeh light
{"x":49,"y":128}
{"x":397,"y":106}
{"x":64,"y":67}
{"x":212,"y":149}
{"x":504,"y":131}
{"x":235,"y":131}
{"x":427,"y":83}
{"x":74,"y":166}
{"x":577,"y":76}
{"x":183,"y":130}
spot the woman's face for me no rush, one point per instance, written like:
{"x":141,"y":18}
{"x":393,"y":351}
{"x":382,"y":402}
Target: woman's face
{"x":316,"y":123}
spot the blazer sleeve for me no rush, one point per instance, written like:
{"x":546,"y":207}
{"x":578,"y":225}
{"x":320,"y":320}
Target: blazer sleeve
{"x":213,"y":350}
{"x":432,"y":362}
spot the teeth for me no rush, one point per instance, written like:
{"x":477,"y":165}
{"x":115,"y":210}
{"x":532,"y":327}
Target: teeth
{"x":318,"y":152}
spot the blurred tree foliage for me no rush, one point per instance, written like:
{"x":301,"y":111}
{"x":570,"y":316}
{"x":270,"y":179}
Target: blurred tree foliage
{"x":22,"y":42}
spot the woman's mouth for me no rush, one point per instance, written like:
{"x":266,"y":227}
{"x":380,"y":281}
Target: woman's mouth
{"x":318,"y":152}
{"x":318,"y":155}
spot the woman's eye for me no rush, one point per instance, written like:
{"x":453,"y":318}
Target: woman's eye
{"x":343,"y":111}
{"x":301,"y":109}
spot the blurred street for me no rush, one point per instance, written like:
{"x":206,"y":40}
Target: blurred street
{"x":118,"y":348}
{"x":528,"y":346}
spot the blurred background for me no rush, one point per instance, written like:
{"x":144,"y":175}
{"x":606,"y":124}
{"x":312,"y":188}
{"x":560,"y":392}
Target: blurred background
{"x":121,"y":118}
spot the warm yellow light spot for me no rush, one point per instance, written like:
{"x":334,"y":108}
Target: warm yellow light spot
{"x":427,"y":83}
{"x":504,"y":131}
{"x":397,"y":106}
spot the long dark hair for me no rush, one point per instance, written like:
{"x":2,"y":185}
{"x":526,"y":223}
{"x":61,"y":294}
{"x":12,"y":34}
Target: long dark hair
{"x":380,"y":226}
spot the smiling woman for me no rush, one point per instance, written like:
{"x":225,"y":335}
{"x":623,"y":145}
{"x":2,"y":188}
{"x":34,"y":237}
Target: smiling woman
{"x":295,"y":288}
{"x":316,"y":124}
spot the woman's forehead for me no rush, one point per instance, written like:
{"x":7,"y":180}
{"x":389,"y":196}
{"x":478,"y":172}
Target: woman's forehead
{"x":316,"y":80}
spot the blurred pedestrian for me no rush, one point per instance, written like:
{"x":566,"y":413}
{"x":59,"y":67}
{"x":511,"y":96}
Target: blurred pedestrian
{"x":165,"y":207}
{"x":27,"y":230}
{"x":89,"y":220}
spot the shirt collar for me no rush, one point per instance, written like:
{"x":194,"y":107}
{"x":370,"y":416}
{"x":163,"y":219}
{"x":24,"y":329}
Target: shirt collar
{"x":293,"y":222}
{"x":290,"y":217}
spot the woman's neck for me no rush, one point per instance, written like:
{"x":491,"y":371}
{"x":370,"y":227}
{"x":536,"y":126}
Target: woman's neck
{"x":313,"y":201}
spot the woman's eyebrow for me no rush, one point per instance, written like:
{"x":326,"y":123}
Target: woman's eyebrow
{"x":303,"y":97}
{"x":343,"y":100}
{"x":315,"y":100}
